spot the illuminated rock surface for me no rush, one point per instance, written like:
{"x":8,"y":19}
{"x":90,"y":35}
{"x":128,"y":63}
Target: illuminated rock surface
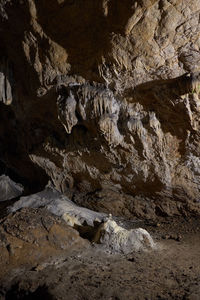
{"x":9,"y":189}
{"x":97,"y":101}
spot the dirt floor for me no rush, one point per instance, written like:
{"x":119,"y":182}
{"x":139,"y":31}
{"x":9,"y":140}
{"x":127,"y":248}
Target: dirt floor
{"x":172,"y":272}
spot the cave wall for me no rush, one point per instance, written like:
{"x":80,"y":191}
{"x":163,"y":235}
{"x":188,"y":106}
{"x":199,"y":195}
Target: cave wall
{"x":102,"y":97}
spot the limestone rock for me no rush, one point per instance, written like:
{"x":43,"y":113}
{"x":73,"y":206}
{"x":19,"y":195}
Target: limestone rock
{"x":32,"y":237}
{"x":59,"y":205}
{"x":106,"y":100}
{"x":118,"y":239}
{"x":95,"y":104}
{"x":9,"y":189}
{"x":104,"y":230}
{"x":6,"y":81}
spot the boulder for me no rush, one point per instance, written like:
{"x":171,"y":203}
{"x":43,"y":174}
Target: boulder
{"x":59,"y":205}
{"x":9,"y":189}
{"x":119,"y":240}
{"x":32,"y":238}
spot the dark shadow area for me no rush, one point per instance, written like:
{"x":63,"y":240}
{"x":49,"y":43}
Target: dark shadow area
{"x":40,"y":293}
{"x":163,"y":97}
{"x":177,"y":86}
{"x":12,"y":33}
{"x":88,"y":232}
{"x":84,"y":29}
{"x":4,"y":206}
{"x":14,"y":158}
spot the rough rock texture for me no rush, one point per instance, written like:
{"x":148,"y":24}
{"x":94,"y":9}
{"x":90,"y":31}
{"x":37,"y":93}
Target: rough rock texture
{"x":6,"y":82}
{"x":9,"y":189}
{"x":118,"y":239}
{"x":99,"y":101}
{"x":93,"y":274}
{"x":97,"y":227}
{"x":59,"y":205}
{"x":33,"y":236}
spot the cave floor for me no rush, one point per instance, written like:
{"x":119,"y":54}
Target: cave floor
{"x":172,"y":272}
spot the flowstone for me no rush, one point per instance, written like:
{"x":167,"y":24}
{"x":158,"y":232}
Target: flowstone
{"x":59,"y":205}
{"x":9,"y":189}
{"x":93,"y":225}
{"x":120,"y":240}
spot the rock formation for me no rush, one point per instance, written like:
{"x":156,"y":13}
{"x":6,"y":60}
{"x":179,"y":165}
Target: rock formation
{"x":103,"y":98}
{"x":6,"y":82}
{"x":120,"y":240}
{"x":97,"y":227}
{"x":30,"y":238}
{"x":9,"y":189}
{"x":59,"y":205}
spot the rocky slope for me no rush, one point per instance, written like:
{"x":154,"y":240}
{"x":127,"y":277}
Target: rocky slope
{"x":102,"y":97}
{"x":31,"y":237}
{"x":92,"y":274}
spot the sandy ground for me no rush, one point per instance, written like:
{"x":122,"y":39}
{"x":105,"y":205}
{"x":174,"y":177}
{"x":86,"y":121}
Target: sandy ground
{"x":172,"y":272}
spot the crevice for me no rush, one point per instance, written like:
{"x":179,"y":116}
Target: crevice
{"x":41,"y":293}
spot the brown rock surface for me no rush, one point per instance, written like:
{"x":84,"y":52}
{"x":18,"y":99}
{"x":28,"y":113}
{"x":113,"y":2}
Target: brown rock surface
{"x":98,"y":101}
{"x":92,"y":274}
{"x":32,"y":237}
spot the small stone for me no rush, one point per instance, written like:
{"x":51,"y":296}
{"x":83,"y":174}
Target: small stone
{"x":179,"y":238}
{"x":39,"y":268}
{"x":165,"y":237}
